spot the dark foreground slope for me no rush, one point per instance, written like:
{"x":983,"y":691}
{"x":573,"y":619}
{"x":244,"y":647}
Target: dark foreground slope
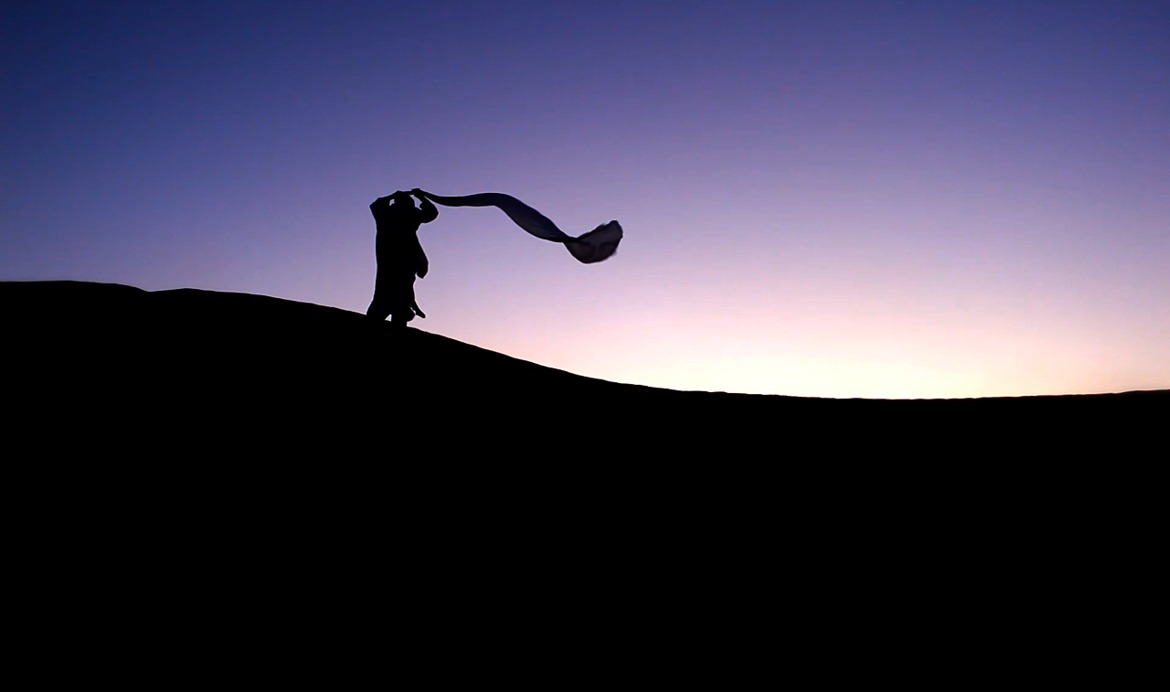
{"x":260,"y":374}
{"x":258,"y":474}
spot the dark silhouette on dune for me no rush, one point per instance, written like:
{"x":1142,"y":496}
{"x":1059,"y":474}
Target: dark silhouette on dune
{"x":400,"y":255}
{"x":401,"y":258}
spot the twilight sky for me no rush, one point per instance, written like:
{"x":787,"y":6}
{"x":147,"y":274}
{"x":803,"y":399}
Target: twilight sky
{"x":862,"y":198}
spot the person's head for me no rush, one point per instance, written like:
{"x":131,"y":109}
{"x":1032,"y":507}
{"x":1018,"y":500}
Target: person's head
{"x":402,"y":198}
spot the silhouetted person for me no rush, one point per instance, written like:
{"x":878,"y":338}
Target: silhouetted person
{"x":400,"y":255}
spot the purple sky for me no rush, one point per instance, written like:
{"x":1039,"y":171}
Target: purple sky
{"x":840,"y":199}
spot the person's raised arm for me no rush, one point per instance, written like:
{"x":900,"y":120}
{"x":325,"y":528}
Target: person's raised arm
{"x":426,"y":207}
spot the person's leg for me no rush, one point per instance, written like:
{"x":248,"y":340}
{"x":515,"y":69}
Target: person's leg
{"x":401,"y":317}
{"x":404,"y":301}
{"x":379,"y":307}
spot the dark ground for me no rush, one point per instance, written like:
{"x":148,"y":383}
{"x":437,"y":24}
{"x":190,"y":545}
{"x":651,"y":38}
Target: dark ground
{"x":260,"y":475}
{"x":279,"y":375}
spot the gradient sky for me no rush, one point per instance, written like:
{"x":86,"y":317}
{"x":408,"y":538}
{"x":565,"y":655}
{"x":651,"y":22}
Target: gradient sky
{"x":826,"y":198}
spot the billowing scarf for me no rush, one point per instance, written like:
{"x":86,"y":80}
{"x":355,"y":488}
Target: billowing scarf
{"x":594,"y":246}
